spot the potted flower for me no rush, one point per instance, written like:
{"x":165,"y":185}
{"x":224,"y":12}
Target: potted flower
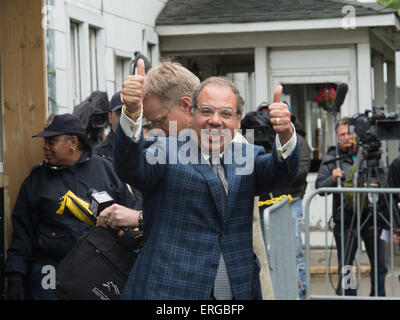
{"x":325,"y":97}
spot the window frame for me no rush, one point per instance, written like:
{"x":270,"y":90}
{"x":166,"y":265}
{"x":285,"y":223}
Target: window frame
{"x":85,"y":19}
{"x":122,"y":56}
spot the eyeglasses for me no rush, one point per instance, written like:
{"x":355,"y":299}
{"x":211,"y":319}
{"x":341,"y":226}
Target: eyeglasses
{"x":225,"y":113}
{"x":158,"y":123}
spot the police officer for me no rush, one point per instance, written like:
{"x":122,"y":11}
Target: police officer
{"x":105,"y":147}
{"x":42,"y":237}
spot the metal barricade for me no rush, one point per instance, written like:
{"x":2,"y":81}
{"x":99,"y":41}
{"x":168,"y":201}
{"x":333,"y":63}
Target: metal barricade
{"x":279,"y":239}
{"x":347,"y":279}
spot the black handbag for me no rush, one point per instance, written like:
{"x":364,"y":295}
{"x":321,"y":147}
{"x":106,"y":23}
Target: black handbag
{"x":98,"y":267}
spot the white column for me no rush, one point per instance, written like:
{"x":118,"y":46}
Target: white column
{"x":391,"y":90}
{"x":391,"y":86}
{"x":377,"y":64}
{"x":261,"y":75}
{"x":364,"y":77}
{"x":101,"y":59}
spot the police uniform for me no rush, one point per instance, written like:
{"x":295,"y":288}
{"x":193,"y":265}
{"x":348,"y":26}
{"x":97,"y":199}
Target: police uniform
{"x":42,"y":237}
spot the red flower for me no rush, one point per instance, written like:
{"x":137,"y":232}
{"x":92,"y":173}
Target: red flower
{"x":325,"y":97}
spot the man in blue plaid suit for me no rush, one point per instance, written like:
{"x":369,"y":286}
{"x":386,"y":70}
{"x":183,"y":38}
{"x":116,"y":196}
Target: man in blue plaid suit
{"x":198,"y":223}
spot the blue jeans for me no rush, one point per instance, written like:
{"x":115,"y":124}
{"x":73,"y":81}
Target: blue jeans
{"x":34,"y":289}
{"x":297,"y":213}
{"x":350,"y":249}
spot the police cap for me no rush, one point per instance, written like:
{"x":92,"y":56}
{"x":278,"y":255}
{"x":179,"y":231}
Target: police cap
{"x":115,"y":103}
{"x":62,"y":124}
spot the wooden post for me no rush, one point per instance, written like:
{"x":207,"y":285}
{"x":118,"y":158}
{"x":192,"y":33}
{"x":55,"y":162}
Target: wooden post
{"x":23,"y":79}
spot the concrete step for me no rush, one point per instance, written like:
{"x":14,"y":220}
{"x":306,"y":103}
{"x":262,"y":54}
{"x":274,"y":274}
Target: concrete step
{"x":318,"y":263}
{"x":320,"y":271}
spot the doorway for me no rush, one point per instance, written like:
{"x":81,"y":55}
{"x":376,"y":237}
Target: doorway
{"x":315,"y":122}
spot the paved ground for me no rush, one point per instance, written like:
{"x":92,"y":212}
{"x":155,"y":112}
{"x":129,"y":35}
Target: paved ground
{"x":320,"y":286}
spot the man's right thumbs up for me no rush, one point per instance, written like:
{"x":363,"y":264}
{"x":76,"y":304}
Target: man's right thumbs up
{"x":133,"y":91}
{"x":280,"y":117}
{"x":278,"y":94}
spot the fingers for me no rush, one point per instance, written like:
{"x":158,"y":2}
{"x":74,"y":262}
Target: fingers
{"x":133,"y":89}
{"x":337,"y":173}
{"x":278,"y":94}
{"x":280,"y":117}
{"x":278,"y":111}
{"x":140,"y":67}
{"x":117,"y":216}
{"x":106,"y":217}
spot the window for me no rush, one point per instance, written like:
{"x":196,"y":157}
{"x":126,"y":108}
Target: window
{"x":122,"y":69}
{"x":150,"y":46}
{"x":75,"y":64}
{"x":86,"y":38}
{"x":150,"y":51}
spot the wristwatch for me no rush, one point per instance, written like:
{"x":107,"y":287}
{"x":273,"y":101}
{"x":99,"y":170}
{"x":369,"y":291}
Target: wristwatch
{"x":140,"y":221}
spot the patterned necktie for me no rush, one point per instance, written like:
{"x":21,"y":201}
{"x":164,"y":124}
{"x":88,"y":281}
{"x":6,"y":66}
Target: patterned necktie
{"x":222,"y":286}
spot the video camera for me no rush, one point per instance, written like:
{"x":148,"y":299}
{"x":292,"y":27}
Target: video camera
{"x":99,"y":120}
{"x":372,"y":126}
{"x":376,"y":125}
{"x":264,"y":134}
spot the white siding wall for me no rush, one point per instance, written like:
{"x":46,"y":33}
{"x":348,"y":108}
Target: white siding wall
{"x":122,"y":27}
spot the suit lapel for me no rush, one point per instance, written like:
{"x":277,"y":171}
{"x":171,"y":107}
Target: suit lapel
{"x":213,"y":182}
{"x":233,"y":186}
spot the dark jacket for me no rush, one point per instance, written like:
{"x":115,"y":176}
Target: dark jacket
{"x":105,"y":147}
{"x":298,"y":188}
{"x":324,"y":178}
{"x":393,"y":178}
{"x":40,"y":234}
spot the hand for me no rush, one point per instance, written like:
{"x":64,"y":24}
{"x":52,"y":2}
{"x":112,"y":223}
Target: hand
{"x":280,"y":117}
{"x":337,"y":173}
{"x":134,"y":89}
{"x":15,"y":288}
{"x":396,"y":238}
{"x":117,"y":216}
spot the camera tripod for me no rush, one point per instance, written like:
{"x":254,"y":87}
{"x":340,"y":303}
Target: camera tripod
{"x":369,"y":173}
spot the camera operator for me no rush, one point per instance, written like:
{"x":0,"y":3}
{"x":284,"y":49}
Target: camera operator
{"x":327,"y":177}
{"x":93,"y":113}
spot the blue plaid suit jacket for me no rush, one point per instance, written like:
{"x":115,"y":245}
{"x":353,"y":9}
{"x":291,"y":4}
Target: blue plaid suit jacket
{"x":185,"y":230}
